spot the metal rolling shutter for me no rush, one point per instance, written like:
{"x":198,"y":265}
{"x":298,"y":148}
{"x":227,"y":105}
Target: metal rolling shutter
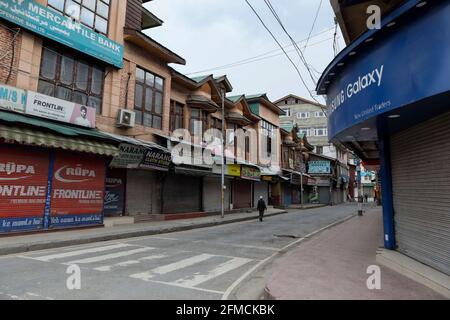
{"x":182,"y":194}
{"x":420,"y":160}
{"x":261,"y":189}
{"x":212,"y":195}
{"x":242,"y":191}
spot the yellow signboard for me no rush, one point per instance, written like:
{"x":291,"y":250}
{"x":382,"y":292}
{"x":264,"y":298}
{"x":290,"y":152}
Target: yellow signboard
{"x":234,"y":170}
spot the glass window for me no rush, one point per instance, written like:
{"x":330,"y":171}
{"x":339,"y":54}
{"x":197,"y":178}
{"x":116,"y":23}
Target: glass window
{"x":148,"y":99}
{"x":92,"y":13}
{"x":48,"y":64}
{"x":66,"y":77}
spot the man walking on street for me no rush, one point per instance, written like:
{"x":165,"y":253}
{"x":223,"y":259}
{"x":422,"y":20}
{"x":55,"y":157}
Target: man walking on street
{"x":261,"y":208}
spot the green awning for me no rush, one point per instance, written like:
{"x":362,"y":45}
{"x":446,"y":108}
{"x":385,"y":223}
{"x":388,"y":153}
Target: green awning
{"x":31,"y":131}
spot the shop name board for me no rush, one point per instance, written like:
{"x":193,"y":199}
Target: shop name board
{"x":250,"y":173}
{"x":53,"y":25}
{"x":374,"y":77}
{"x":44,"y":106}
{"x":319,"y":167}
{"x":129,"y":157}
{"x":12,"y":99}
{"x":156,"y":159}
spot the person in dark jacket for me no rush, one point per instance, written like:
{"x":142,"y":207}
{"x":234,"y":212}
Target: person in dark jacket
{"x":261,"y":208}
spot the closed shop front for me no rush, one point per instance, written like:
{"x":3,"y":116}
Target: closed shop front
{"x":212,"y":195}
{"x":143,"y":192}
{"x":420,"y":159}
{"x":287,"y":194}
{"x":261,"y":189}
{"x":114,"y":204}
{"x":182,"y":193}
{"x":242,"y":194}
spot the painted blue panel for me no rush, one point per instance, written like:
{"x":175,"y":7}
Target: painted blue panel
{"x":406,"y":66}
{"x":75,"y":220}
{"x":53,"y":25}
{"x":20,"y":224}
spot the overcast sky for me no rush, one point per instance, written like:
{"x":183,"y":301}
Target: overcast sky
{"x":213,"y":33}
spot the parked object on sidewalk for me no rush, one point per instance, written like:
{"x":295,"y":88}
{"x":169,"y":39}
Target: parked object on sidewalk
{"x":261,"y":208}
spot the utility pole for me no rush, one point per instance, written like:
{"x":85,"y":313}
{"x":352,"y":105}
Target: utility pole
{"x":223,"y":156}
{"x":360,"y":189}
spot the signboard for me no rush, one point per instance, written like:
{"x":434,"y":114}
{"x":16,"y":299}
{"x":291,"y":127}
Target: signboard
{"x":78,"y":190}
{"x":23,"y":188}
{"x":114,"y":192}
{"x":130,"y":156}
{"x":53,"y":25}
{"x":233,"y":170}
{"x":319,"y":167}
{"x":373,"y":84}
{"x":156,"y":159}
{"x":12,"y":99}
{"x":250,"y":173}
{"x":44,"y":106}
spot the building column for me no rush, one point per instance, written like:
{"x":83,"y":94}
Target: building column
{"x":386,"y":190}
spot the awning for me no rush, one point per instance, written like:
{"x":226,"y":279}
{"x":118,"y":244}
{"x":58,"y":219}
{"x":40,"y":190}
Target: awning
{"x":34,"y":131}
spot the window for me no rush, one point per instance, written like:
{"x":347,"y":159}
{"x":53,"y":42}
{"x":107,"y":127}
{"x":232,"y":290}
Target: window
{"x":303,"y":115}
{"x":216,"y":123}
{"x":304,"y":131}
{"x":287,"y":112}
{"x":319,"y":150}
{"x":70,"y":78}
{"x":198,"y":115}
{"x":319,"y":114}
{"x":148,"y":99}
{"x":92,"y":13}
{"x":176,"y":116}
{"x":321,"y":132}
{"x":268,"y":130}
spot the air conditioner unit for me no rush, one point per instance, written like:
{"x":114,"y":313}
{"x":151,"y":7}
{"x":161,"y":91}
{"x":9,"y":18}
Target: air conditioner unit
{"x":126,"y":118}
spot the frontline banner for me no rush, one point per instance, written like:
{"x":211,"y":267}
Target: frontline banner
{"x":23,"y":188}
{"x":78,"y":190}
{"x":44,"y":106}
{"x":48,"y":23}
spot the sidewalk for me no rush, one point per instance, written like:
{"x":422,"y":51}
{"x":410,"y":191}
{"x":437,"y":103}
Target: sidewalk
{"x":333,"y":265}
{"x":56,"y":239}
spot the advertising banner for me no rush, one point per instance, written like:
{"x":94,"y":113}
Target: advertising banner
{"x":130,"y":156}
{"x":156,"y":159}
{"x":319,"y":167}
{"x":250,"y":173}
{"x":23,"y":188}
{"x":44,"y":106}
{"x":115,"y":192}
{"x":12,"y":99}
{"x":53,"y":25}
{"x":78,"y":190}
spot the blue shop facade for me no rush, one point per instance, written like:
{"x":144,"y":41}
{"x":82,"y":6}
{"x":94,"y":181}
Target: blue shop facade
{"x":388,"y":99}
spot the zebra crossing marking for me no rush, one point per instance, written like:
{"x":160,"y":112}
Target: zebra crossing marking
{"x":171,"y":267}
{"x":130,"y":262}
{"x":110,"y":256}
{"x":78,"y":252}
{"x":217,"y":271}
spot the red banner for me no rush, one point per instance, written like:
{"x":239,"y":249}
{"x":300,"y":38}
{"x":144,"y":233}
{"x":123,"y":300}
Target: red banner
{"x":78,"y":185}
{"x":23,"y":182}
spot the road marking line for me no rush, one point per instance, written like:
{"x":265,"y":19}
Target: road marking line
{"x":172,"y":267}
{"x":218,"y":271}
{"x":186,"y":287}
{"x":130,"y":262}
{"x":77,"y":252}
{"x":110,"y":256}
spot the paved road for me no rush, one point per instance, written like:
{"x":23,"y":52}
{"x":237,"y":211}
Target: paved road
{"x":197,"y":264}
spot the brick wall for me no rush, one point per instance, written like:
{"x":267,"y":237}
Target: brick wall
{"x":9,"y":54}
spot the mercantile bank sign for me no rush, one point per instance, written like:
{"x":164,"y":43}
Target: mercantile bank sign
{"x":53,"y":25}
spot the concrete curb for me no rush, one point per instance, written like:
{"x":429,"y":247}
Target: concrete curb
{"x":52,"y":244}
{"x":267,"y":295}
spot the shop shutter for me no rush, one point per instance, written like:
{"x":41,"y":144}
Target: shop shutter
{"x":182,"y":194}
{"x":261,"y":189}
{"x":212,"y":195}
{"x":420,"y":160}
{"x":242,"y":191}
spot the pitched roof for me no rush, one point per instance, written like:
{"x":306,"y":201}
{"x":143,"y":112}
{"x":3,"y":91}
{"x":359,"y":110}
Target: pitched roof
{"x":298,"y":98}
